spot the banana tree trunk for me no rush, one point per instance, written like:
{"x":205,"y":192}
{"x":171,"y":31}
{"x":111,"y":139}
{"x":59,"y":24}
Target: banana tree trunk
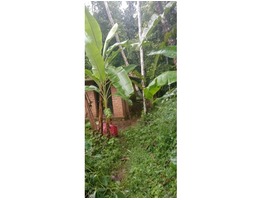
{"x":107,"y":118}
{"x":141,"y":53}
{"x":100,"y":115}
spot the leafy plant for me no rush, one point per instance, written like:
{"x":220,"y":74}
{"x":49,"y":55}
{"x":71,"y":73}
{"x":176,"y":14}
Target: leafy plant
{"x":102,"y":72}
{"x":101,"y":155}
{"x":165,"y":78}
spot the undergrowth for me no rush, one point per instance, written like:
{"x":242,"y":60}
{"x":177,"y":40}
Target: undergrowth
{"x":144,"y":156}
{"x":152,"y":153}
{"x":101,"y":158}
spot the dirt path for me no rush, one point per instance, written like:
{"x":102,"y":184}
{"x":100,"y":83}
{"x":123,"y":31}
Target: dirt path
{"x":119,"y":174}
{"x":124,"y":124}
{"x":121,"y":171}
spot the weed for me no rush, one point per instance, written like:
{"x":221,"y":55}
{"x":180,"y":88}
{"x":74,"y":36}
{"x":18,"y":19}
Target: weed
{"x":140,"y":163}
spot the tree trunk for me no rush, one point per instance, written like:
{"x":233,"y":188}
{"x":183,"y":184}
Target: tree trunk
{"x":107,"y":118}
{"x":116,"y":35}
{"x":141,"y":53}
{"x":100,"y":115}
{"x":89,"y":112}
{"x":165,"y":25}
{"x":160,"y":10}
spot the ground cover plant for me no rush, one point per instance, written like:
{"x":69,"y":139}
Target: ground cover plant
{"x":141,"y":162}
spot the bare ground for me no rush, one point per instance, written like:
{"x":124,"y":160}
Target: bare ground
{"x":123,"y":124}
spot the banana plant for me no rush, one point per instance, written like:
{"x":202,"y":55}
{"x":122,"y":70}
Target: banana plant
{"x":103,"y":73}
{"x":166,"y":78}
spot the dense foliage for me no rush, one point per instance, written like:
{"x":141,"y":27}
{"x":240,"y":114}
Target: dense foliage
{"x":163,"y":34}
{"x":141,"y":162}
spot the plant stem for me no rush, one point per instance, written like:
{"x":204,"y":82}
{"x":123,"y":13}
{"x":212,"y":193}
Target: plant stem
{"x":141,"y":54}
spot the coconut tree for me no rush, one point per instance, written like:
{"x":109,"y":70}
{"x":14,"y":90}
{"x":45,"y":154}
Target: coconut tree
{"x":103,"y":73}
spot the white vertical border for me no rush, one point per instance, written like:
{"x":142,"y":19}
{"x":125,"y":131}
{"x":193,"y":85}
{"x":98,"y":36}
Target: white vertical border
{"x":219,"y":100}
{"x":42,"y":99}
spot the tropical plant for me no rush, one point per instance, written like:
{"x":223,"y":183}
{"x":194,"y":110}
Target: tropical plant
{"x":143,"y":35}
{"x":103,"y":73}
{"x":154,"y":86}
{"x":165,"y":78}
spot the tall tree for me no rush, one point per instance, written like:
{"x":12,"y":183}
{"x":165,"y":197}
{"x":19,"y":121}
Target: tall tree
{"x":130,"y":20}
{"x":165,"y":25}
{"x":141,"y":54}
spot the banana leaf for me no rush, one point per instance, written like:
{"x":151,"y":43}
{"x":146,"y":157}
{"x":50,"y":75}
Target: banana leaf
{"x":93,"y":46}
{"x":151,"y":25}
{"x":108,"y":51}
{"x":165,"y":78}
{"x":91,"y":88}
{"x":89,"y":74}
{"x":129,"y":68}
{"x":110,"y":35}
{"x":169,"y":51}
{"x":121,"y":81}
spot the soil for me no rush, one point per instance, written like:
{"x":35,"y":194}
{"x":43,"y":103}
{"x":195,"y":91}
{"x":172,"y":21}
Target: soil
{"x":124,"y":124}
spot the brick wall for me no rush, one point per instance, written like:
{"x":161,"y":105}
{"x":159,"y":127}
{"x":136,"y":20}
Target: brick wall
{"x":119,"y":106}
{"x":118,"y":109}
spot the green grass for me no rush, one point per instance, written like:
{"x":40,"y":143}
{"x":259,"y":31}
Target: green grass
{"x":152,"y":145}
{"x":144,"y":156}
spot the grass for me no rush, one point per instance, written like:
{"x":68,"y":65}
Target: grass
{"x":140,"y":163}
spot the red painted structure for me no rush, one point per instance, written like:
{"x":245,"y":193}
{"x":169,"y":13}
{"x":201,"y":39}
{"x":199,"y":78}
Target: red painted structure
{"x":112,"y":129}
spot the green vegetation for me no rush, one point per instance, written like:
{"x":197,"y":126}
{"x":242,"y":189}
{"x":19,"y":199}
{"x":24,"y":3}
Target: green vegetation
{"x":141,"y":162}
{"x":103,"y":73}
{"x":100,"y":160}
{"x":150,"y":45}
